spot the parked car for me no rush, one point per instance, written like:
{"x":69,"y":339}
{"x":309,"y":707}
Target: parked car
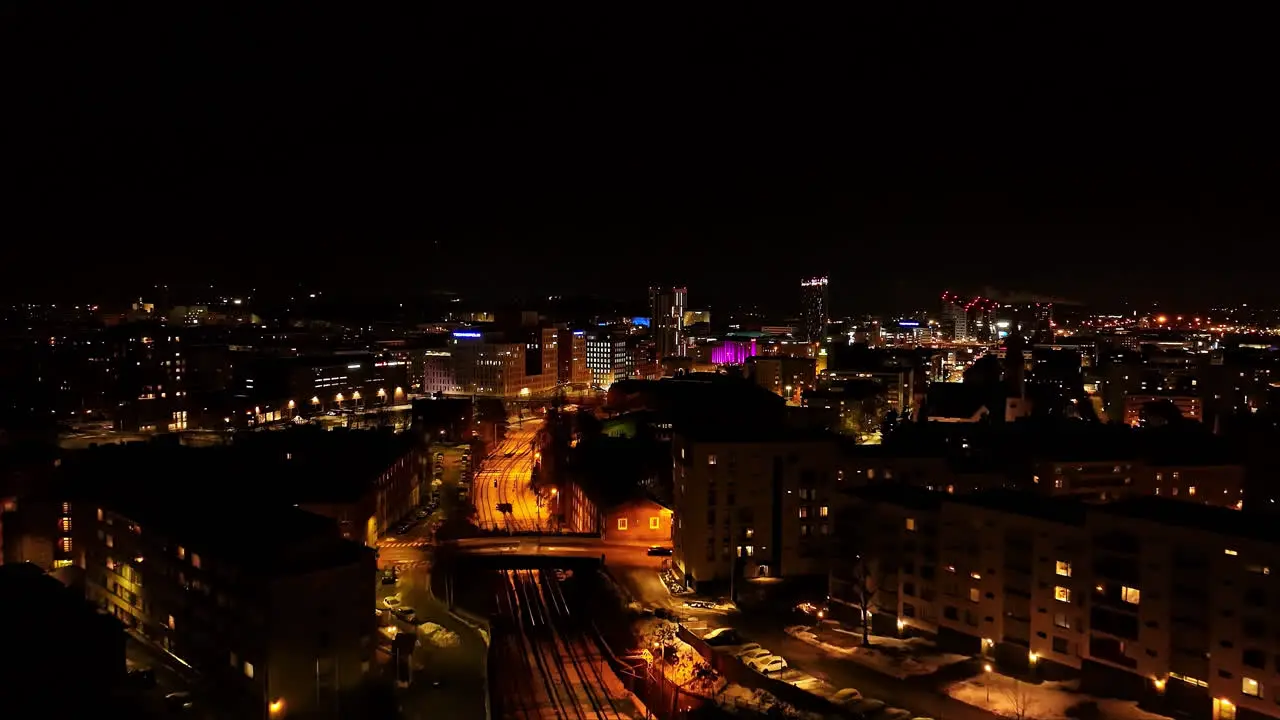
{"x":867,"y":706}
{"x":701,"y":604}
{"x":722,"y":636}
{"x":768,"y":664}
{"x":737,"y":652}
{"x":753,"y":655}
{"x":658,"y":550}
{"x":847,"y":695}
{"x":391,"y":601}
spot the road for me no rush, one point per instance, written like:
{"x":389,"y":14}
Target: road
{"x":447,"y":682}
{"x":503,"y":478}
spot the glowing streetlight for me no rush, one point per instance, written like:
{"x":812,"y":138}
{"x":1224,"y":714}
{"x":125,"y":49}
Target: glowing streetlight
{"x":291,"y":404}
{"x":315,"y":399}
{"x":987,"y":669}
{"x":276,"y":708}
{"x":355,"y":395}
{"x":338,"y":398}
{"x":382,"y":393}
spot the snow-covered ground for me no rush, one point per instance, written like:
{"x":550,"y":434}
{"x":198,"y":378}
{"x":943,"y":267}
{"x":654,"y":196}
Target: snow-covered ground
{"x":888,"y":655}
{"x":1011,"y":698}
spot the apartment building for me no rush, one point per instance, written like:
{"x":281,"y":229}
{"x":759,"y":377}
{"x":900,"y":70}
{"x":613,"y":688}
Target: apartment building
{"x":757,"y":501}
{"x":275,"y":609}
{"x":1162,"y":601}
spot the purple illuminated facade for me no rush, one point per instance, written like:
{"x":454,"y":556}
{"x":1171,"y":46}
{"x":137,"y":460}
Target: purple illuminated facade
{"x":733,"y":352}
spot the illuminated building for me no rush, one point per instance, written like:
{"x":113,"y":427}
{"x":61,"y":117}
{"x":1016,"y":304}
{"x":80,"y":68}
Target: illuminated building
{"x":1148,"y":599}
{"x":666,"y":322}
{"x":571,"y":351}
{"x":269,"y":605}
{"x":782,"y":375}
{"x":761,"y":497}
{"x":147,"y":378}
{"x":606,"y":357}
{"x":517,"y":364}
{"x":815,"y":308}
{"x":733,"y":352}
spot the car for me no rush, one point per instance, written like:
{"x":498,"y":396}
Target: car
{"x":179,"y":701}
{"x":402,"y":529}
{"x":404,"y":613}
{"x":867,"y":706}
{"x":701,"y":604}
{"x":659,"y":551}
{"x":422,"y":513}
{"x":722,"y":636}
{"x":768,"y":664}
{"x":753,"y":655}
{"x":391,"y":601}
{"x":846,"y":695}
{"x":737,"y":652}
{"x":389,"y":578}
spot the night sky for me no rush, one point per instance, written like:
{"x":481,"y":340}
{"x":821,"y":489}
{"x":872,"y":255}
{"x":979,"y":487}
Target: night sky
{"x":1095,"y":157}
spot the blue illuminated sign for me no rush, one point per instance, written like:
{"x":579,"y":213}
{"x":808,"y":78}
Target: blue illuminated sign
{"x":579,"y":333}
{"x":641,"y":321}
{"x":908,"y":323}
{"x":466,"y":334}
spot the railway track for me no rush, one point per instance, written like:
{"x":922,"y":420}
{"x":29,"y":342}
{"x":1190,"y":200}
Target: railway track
{"x":552,"y":669}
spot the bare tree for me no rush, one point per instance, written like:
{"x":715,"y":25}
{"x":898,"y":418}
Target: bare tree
{"x":1021,"y":702}
{"x":863,"y":563}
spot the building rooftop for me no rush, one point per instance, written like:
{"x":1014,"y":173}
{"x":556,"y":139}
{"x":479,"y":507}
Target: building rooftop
{"x":239,"y":501}
{"x":1219,"y":520}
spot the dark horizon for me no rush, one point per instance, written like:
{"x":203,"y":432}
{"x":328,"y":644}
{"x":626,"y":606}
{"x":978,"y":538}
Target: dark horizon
{"x":538,"y":154}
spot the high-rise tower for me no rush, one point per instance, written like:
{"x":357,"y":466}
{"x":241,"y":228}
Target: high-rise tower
{"x":666,"y":321}
{"x":815,"y":308}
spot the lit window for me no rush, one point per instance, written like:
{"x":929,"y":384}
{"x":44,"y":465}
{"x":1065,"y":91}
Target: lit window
{"x":711,"y":459}
{"x":655,"y":523}
{"x":622,"y":523}
{"x":804,"y":511}
{"x":248,"y":669}
{"x":111,"y":541}
{"x":195,"y":560}
{"x":749,"y":533}
{"x":1229,"y":551}
{"x":99,"y":514}
{"x":1057,"y":482}
{"x":975,"y":575}
{"x":974,"y":594}
{"x":1191,"y":490}
{"x":1064,"y":568}
{"x":182,"y":553}
{"x":1130,"y":595}
{"x":1062,"y":594}
{"x":172,"y":625}
{"x":1251,"y":687}
{"x":824,"y":511}
{"x":911,"y":524}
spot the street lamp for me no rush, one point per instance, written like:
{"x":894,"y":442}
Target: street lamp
{"x":987,"y":669}
{"x":276,"y":708}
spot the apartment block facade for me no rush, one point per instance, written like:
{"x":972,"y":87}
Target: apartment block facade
{"x":276,"y":611}
{"x":1162,"y":601}
{"x":761,"y":501}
